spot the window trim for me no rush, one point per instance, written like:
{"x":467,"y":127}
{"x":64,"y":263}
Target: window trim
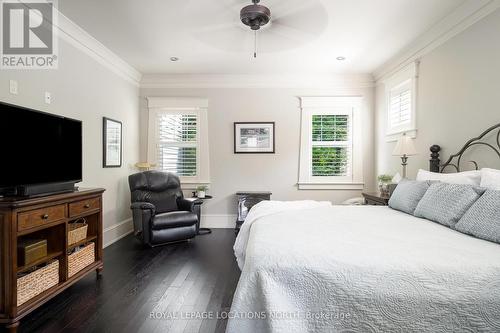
{"x":330,"y":105}
{"x":408,"y":75}
{"x":177,"y":105}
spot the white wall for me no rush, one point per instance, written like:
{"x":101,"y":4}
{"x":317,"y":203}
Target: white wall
{"x":458,"y":98}
{"x":86,"y":90}
{"x":270,"y":172}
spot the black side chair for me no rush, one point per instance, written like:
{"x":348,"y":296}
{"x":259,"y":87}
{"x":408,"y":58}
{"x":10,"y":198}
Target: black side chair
{"x":161,"y":214}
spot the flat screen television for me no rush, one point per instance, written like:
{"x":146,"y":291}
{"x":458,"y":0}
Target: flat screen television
{"x":41,"y":153}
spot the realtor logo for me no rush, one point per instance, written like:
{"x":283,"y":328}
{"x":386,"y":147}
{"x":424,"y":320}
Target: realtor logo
{"x":28,"y":38}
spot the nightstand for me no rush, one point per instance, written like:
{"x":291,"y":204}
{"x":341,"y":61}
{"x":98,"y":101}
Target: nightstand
{"x":376,"y":199}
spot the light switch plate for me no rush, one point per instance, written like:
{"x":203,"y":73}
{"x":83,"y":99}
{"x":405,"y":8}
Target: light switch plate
{"x":13,"y":87}
{"x":48,"y":97}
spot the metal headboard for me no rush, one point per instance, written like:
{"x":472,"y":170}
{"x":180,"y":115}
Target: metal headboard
{"x":455,"y":159}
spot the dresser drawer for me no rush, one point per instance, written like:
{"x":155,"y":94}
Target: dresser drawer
{"x":38,"y":217}
{"x":80,"y":207}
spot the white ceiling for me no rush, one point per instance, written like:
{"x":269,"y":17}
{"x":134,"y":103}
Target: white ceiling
{"x":305,"y":36}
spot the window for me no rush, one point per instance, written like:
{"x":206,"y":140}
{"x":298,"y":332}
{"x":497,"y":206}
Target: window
{"x":400,"y":108}
{"x":330,"y":143}
{"x":401,"y":103}
{"x":177,"y":143}
{"x":178,"y":138}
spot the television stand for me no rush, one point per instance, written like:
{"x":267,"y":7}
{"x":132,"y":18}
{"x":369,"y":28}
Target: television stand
{"x":25,"y":286}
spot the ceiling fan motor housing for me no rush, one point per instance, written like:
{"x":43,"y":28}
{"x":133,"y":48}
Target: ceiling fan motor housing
{"x":255,"y":16}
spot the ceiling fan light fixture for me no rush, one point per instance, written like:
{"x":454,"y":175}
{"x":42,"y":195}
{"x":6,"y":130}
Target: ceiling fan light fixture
{"x":255,"y":16}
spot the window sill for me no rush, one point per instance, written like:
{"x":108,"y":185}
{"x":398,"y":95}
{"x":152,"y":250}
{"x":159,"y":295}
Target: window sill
{"x":394,"y":136}
{"x":331,"y":186}
{"x":192,"y":185}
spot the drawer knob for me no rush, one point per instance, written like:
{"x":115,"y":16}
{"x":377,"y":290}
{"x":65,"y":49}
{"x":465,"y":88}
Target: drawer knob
{"x":45,"y":216}
{"x":86,"y":206}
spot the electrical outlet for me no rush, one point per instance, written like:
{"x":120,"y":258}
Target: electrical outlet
{"x":13,"y":87}
{"x":48,"y":97}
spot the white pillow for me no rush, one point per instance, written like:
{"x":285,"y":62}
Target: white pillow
{"x":466,"y":177}
{"x":490,"y":179}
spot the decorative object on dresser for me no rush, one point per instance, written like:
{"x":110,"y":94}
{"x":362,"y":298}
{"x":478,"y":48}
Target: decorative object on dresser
{"x":254,"y":138}
{"x":404,"y":148}
{"x":29,"y":281}
{"x":112,"y":143}
{"x":161,"y":215}
{"x":246,"y":200}
{"x":376,"y":198}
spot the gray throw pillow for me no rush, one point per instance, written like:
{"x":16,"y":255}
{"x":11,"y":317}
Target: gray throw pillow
{"x":482,"y":220}
{"x":447,"y":203}
{"x":407,"y":195}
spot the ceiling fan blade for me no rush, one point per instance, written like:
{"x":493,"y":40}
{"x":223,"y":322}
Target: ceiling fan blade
{"x":288,"y":32}
{"x":312,"y":19}
{"x":225,"y":38}
{"x":280,"y":8}
{"x":215,"y":28}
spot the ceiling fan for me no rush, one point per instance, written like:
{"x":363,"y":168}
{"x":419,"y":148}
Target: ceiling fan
{"x":255,"y":16}
{"x":291,"y":24}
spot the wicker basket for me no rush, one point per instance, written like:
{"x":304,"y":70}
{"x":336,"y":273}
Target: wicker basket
{"x":77,"y":231}
{"x":35,"y":283}
{"x":81,"y":259}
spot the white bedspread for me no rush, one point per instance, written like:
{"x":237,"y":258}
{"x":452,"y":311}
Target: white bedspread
{"x":361,"y":269}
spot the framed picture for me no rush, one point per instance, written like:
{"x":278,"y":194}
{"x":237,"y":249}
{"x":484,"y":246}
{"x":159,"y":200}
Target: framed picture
{"x":254,"y":138}
{"x":112,"y":143}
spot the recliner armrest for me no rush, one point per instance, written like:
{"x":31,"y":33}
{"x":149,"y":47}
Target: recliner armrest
{"x":142,"y":214}
{"x":143,"y":206}
{"x":188,"y":205}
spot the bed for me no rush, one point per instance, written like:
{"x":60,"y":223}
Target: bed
{"x":314,"y":267}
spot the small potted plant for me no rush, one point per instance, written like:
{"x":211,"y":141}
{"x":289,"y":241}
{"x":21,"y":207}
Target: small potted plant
{"x":383,"y":183}
{"x":201,"y":191}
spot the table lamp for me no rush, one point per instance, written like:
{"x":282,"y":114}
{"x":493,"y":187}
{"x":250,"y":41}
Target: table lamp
{"x":144,"y":166}
{"x":403,"y":149}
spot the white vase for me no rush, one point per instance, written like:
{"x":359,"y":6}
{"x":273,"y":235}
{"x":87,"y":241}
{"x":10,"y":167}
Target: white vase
{"x":201,"y":194}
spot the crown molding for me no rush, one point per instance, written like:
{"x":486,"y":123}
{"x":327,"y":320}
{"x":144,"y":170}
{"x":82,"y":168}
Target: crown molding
{"x":463,"y":17}
{"x":257,"y":81}
{"x":75,"y":35}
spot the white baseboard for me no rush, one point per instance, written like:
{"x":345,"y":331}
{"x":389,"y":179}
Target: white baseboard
{"x":216,"y":221}
{"x":116,"y":232}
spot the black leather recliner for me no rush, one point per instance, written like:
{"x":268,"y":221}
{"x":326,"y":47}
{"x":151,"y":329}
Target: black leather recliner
{"x":161,"y":214}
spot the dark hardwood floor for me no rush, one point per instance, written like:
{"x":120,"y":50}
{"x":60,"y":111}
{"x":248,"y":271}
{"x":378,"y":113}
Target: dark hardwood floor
{"x":139,"y":283}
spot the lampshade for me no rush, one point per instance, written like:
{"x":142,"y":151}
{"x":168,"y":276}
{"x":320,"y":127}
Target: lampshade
{"x":144,"y":166}
{"x":404,"y":147}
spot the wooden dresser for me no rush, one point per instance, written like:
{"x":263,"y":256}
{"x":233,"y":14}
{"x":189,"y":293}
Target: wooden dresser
{"x":46,"y":218}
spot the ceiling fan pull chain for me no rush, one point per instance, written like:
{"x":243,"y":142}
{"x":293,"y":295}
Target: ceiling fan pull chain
{"x":255,"y":45}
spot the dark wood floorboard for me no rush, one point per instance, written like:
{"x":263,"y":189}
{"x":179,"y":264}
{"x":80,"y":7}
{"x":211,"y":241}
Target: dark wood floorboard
{"x":169,"y":281}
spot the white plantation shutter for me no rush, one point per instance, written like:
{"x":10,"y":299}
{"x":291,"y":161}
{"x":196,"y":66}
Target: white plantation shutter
{"x":177,"y":143}
{"x":400,"y":107}
{"x":331,"y":145}
{"x":178,"y":138}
